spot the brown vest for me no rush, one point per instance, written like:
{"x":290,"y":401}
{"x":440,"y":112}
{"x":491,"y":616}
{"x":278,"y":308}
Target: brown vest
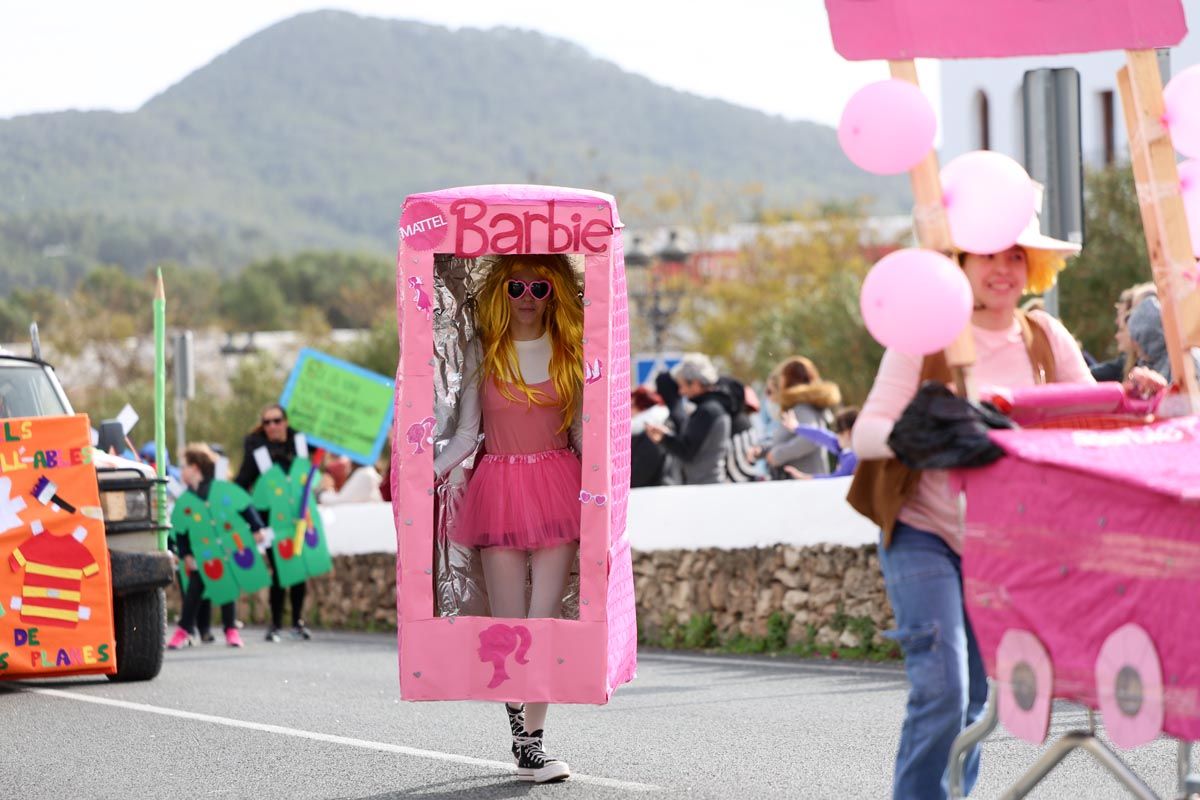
{"x":881,"y":487}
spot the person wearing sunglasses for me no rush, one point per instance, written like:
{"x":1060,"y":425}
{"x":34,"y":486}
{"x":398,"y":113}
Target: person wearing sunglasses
{"x":274,"y":433}
{"x":523,"y":386}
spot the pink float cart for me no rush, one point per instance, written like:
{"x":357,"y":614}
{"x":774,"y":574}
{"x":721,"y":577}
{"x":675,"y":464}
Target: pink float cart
{"x":1081,"y":556}
{"x":1073,"y":556}
{"x":451,"y":653}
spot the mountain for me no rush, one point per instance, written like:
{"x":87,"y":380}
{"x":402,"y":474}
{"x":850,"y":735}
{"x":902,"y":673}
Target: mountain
{"x":310,"y":133}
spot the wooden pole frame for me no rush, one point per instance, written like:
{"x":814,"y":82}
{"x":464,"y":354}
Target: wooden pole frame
{"x":933,"y":231}
{"x":1164,"y":221}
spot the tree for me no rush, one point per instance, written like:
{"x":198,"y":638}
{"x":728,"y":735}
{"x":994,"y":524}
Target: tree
{"x":192,"y":295}
{"x":351,"y":291}
{"x":379,"y":351}
{"x":23,"y":306}
{"x":793,"y":291}
{"x":1113,"y":258}
{"x":112,"y":289}
{"x":253,"y":301}
{"x":257,"y":381}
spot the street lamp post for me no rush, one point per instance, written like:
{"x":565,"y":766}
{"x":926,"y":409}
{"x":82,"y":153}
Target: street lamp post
{"x":657,"y":304}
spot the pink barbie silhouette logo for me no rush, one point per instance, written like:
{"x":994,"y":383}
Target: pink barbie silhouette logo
{"x":421,"y":434}
{"x":593,"y":371}
{"x":497,"y":643}
{"x":422,"y":301}
{"x":423,"y":226}
{"x":586,"y":497}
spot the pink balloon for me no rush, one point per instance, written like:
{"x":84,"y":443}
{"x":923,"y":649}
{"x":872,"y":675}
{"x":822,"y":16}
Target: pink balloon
{"x":916,"y":301}
{"x":887,"y":127}
{"x":1189,"y":188}
{"x":989,"y":200}
{"x":1182,"y":98}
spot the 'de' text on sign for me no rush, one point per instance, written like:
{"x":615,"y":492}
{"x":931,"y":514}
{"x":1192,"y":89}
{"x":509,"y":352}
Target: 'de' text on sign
{"x":338,"y":405}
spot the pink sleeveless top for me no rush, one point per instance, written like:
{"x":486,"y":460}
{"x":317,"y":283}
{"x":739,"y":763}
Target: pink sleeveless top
{"x":518,"y":427}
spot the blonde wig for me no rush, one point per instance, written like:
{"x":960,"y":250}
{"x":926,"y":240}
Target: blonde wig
{"x":1044,"y":266}
{"x":564,"y":324}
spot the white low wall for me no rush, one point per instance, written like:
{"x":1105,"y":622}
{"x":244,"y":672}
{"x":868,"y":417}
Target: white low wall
{"x":739,"y":515}
{"x":729,"y":516}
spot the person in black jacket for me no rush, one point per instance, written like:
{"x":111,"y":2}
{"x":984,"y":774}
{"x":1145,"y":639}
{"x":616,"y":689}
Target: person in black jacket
{"x":274,"y":433}
{"x":646,"y":460}
{"x":741,"y":454}
{"x":701,"y":444}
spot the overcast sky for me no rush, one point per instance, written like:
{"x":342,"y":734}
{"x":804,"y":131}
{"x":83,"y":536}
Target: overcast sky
{"x":117,"y":54}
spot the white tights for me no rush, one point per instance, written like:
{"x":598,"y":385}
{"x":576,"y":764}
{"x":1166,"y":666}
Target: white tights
{"x":504,"y":571}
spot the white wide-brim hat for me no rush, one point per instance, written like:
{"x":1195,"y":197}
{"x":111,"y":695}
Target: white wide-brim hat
{"x":1045,"y":255}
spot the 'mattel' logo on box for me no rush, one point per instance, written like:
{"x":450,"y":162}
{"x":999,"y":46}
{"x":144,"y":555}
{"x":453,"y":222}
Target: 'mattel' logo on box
{"x":530,"y":231}
{"x":423,"y":226}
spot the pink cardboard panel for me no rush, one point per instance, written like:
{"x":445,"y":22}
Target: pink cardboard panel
{"x":1072,"y":558}
{"x":563,"y":662}
{"x":621,"y":612}
{"x":597,"y":489}
{"x":1162,"y":458}
{"x":444,"y":658}
{"x":903,"y":29}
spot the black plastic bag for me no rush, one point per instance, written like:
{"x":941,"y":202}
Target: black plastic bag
{"x":939,"y":430}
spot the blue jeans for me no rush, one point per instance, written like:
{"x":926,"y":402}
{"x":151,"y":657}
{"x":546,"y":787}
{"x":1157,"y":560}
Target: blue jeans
{"x":947,"y":680}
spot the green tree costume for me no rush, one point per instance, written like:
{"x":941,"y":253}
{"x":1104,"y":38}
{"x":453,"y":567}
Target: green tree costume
{"x":226,"y":556}
{"x":300,"y":546}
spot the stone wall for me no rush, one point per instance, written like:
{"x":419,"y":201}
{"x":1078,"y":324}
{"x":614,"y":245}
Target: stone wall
{"x":359,"y":594}
{"x":821,"y":588}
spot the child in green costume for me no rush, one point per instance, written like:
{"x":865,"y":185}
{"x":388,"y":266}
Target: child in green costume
{"x":217,"y":531}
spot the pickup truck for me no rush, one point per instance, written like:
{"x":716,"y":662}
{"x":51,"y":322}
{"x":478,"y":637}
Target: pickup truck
{"x":140,"y":571}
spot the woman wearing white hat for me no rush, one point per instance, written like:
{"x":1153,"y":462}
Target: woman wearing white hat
{"x":920,"y":541}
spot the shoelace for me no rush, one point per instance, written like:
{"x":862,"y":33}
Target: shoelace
{"x":531,"y":748}
{"x":516,"y":720}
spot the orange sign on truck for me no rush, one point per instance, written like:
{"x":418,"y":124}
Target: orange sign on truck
{"x":56,"y":615}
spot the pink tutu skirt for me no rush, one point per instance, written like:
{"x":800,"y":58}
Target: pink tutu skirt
{"x":523,"y":501}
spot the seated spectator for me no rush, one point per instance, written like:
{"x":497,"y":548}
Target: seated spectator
{"x":677,"y":414}
{"x":645,"y":458}
{"x":362,"y":486}
{"x":385,"y":484}
{"x":335,"y":470}
{"x":742,"y":453}
{"x":701,"y":444}
{"x":1149,"y":341}
{"x":811,"y":400}
{"x":836,"y":443}
{"x":148,"y":455}
{"x":1116,"y":368}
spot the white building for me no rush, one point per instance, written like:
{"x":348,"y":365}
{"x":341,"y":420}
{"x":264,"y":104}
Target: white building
{"x":981,"y":99}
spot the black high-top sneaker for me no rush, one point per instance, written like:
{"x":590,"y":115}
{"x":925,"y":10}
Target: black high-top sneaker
{"x":516,"y":723}
{"x":534,"y":765}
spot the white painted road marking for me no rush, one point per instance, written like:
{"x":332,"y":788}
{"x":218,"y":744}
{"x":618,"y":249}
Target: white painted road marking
{"x":365,"y":744}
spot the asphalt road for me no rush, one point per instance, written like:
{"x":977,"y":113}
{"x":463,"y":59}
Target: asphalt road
{"x":323,"y":719}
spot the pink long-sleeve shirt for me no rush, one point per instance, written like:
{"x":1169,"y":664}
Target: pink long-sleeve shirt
{"x":1000,"y":360}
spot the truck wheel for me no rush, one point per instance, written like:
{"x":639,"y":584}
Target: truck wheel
{"x":141,"y":625}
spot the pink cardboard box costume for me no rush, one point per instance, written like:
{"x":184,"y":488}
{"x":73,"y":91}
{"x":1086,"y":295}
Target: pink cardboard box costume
{"x":1081,"y":567}
{"x":469,"y":657}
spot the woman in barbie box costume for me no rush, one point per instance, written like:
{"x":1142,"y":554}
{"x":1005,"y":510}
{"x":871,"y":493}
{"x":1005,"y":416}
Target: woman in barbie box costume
{"x":524,"y":384}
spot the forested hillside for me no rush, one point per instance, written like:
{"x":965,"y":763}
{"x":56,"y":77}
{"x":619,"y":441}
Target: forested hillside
{"x":310,"y":133}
